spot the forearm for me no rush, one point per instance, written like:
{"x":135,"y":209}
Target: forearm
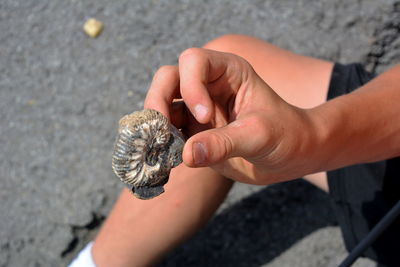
{"x":363,"y":126}
{"x":139,"y":232}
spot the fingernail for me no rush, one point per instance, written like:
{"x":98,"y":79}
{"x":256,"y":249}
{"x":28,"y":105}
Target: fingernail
{"x":199,"y":153}
{"x":200,"y":111}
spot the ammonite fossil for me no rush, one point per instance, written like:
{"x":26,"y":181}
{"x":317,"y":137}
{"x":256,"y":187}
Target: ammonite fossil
{"x":146,"y":149}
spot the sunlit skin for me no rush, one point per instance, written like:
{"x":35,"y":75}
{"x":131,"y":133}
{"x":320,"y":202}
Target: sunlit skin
{"x":259,"y":113}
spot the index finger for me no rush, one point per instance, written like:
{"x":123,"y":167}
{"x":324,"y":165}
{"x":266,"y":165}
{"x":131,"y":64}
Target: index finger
{"x":163,"y":89}
{"x":198,"y":68}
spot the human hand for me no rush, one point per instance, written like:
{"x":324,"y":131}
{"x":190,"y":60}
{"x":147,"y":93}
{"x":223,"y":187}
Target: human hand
{"x":237,"y":124}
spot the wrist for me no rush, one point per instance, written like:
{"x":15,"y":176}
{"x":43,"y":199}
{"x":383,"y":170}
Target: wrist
{"x":338,"y":133}
{"x":297,"y":152}
{"x":309,"y":153}
{"x":318,"y":134}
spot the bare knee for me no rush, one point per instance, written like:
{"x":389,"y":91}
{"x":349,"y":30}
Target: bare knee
{"x":319,"y":179}
{"x":230,"y":43}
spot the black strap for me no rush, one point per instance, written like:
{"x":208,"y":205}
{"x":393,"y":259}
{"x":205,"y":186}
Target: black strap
{"x":372,"y":236}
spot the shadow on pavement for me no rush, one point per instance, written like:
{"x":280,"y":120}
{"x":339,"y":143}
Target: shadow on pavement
{"x":257,"y":229}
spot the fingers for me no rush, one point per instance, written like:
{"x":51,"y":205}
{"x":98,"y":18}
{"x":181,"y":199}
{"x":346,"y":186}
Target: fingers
{"x":163,"y":89}
{"x":196,"y":80}
{"x":246,"y":137}
{"x":198,"y":68}
{"x":179,"y":113}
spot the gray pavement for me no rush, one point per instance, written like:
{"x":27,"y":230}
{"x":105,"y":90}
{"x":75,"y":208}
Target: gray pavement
{"x":62,"y":93}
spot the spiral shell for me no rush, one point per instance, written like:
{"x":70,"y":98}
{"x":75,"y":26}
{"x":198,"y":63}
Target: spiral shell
{"x":146,"y":149}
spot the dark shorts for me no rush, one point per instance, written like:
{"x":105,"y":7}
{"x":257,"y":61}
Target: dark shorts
{"x":362,"y":194}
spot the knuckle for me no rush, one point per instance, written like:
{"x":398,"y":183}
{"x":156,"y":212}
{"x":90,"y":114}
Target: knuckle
{"x":255,"y":120}
{"x":191,"y":52}
{"x":224,"y":143}
{"x":228,"y":145}
{"x":263,"y":132}
{"x":164,"y":71}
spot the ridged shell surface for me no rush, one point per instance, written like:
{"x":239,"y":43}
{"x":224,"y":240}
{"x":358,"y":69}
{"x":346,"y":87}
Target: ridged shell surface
{"x":146,"y":149}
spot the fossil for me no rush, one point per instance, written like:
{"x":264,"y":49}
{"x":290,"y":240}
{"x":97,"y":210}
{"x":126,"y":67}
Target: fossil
{"x":146,"y":149}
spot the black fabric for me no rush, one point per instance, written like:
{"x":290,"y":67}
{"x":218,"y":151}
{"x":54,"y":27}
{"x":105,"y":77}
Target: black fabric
{"x":362,"y":194}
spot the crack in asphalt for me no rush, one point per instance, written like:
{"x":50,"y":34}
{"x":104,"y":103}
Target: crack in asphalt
{"x":385,"y":50}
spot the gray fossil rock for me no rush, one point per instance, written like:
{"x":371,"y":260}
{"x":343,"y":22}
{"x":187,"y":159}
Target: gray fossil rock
{"x":146,"y":149}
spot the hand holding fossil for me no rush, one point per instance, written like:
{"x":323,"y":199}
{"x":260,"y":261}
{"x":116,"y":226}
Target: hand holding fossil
{"x":236,"y":123}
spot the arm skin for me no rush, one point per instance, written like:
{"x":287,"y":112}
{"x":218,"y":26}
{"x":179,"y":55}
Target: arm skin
{"x":360,"y":127}
{"x":286,"y":141}
{"x":139,"y":232}
{"x":132,"y":235}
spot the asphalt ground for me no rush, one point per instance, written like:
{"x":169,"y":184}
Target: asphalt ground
{"x":62,"y":93}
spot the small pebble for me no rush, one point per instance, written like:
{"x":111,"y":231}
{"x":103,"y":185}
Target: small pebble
{"x":31,"y":102}
{"x":93,"y":27}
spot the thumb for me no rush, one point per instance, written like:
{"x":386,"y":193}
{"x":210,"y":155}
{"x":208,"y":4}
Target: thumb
{"x":241,"y":138}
